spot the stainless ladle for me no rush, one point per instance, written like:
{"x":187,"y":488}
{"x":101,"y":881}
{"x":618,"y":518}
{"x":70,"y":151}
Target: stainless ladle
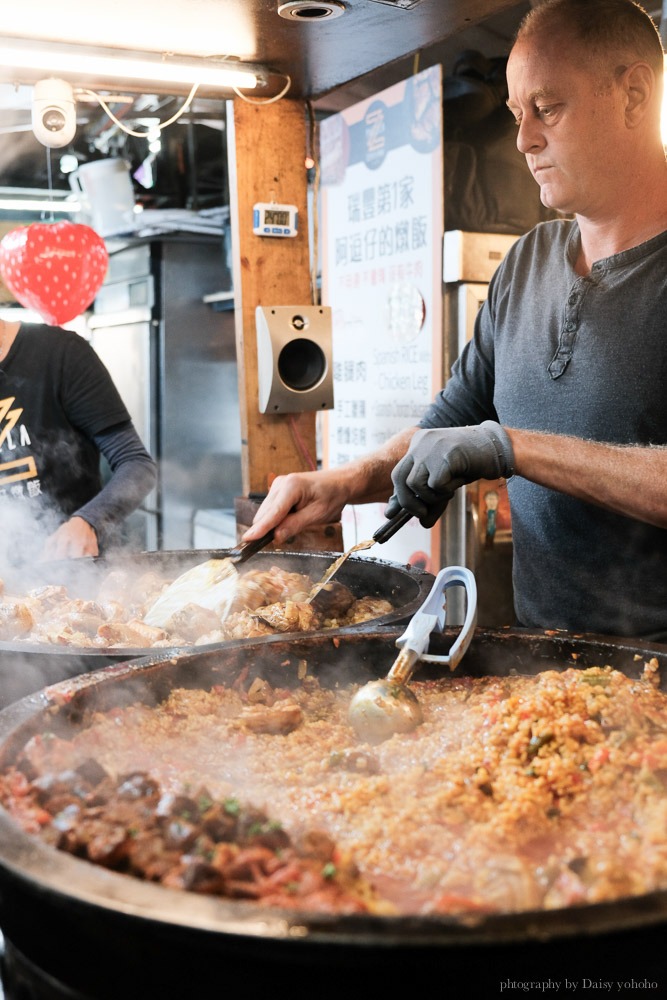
{"x":384,"y":707}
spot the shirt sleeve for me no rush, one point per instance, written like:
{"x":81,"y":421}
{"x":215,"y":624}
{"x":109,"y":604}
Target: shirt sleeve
{"x":468,"y":396}
{"x":133,"y":476}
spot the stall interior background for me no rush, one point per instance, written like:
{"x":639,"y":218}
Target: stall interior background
{"x":164,"y":320}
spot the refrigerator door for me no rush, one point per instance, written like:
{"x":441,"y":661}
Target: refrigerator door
{"x":123,"y":342}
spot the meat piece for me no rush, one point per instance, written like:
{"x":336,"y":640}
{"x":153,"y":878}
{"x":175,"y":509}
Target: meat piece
{"x":257,"y":588}
{"x":367,"y":608}
{"x":334,"y":600}
{"x":245,"y":625}
{"x":292,"y":616}
{"x":49,"y":595}
{"x":281,"y":718}
{"x":16,"y":620}
{"x":192,"y":621}
{"x":132,"y":633}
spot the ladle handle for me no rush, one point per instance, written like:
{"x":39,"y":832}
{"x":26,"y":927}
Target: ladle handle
{"x":431,"y":617}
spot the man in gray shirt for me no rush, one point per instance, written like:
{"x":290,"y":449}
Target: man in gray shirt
{"x":562,"y":389}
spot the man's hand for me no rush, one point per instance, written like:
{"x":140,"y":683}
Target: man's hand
{"x":72,"y":540}
{"x":440,"y":460}
{"x":295,"y":502}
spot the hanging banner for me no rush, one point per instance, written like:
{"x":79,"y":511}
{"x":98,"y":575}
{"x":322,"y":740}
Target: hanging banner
{"x":382,"y":231}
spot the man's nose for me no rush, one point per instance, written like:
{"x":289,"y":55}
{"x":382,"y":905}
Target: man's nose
{"x":529,"y":136}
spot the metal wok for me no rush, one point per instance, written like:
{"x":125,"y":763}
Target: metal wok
{"x":90,"y":934}
{"x":26,"y":667}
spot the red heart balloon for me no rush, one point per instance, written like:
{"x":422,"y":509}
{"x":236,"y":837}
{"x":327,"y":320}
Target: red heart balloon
{"x":55,"y":268}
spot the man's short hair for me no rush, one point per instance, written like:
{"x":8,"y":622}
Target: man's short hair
{"x":606,"y":29}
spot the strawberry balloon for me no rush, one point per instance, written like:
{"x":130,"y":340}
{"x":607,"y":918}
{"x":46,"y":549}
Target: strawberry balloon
{"x":55,"y":268}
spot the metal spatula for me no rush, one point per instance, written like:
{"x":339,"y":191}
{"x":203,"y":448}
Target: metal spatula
{"x":211,"y":584}
{"x":383,"y":534}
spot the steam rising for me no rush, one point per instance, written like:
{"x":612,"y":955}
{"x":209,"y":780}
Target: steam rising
{"x":22,"y":536}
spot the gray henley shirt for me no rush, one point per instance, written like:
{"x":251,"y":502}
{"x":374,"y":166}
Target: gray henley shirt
{"x":583,"y":356}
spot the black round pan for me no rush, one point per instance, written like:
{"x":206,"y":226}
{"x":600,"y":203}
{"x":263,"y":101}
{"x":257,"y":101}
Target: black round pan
{"x":95,"y":935}
{"x":28,"y":667}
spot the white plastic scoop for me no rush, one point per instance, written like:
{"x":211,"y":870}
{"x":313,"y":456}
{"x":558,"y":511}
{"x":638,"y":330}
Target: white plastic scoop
{"x":384,"y":707}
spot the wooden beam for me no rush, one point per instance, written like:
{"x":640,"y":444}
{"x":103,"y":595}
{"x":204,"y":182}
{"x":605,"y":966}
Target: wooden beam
{"x":266,"y":153}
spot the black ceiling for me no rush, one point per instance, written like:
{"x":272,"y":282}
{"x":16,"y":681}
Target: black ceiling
{"x":332,"y":63}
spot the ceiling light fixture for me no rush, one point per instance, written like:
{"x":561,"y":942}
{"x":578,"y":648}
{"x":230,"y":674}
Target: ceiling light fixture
{"x":39,"y":205}
{"x":23,"y":57}
{"x":311,"y":10}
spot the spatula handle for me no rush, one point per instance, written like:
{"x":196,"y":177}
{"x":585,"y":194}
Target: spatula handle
{"x":249,"y":548}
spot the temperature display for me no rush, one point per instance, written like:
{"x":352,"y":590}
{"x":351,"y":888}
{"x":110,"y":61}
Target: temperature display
{"x":270,"y":219}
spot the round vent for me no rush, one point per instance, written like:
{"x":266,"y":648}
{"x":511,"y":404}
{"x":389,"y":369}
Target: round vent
{"x":310,"y":10}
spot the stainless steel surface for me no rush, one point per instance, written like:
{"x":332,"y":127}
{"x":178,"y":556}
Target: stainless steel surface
{"x":174,"y":363}
{"x":475,"y":256}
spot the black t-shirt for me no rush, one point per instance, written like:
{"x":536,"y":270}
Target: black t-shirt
{"x":55,"y":394}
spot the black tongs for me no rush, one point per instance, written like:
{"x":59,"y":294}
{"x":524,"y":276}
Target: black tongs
{"x":243,"y":552}
{"x":383,"y":534}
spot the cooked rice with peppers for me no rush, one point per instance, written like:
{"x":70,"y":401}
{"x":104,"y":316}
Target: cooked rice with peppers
{"x":516,"y":793}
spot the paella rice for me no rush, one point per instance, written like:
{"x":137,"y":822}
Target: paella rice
{"x":517,"y":792}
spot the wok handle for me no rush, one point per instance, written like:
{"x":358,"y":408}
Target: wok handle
{"x":250,"y":548}
{"x":390,"y":527}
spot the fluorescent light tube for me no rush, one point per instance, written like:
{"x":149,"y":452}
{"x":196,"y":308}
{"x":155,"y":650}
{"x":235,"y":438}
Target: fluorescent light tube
{"x":121,"y":66}
{"x":38,"y":205}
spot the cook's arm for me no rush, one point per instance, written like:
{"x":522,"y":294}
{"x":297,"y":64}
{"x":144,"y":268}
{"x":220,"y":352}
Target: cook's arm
{"x":625,"y":479}
{"x":134,"y":474}
{"x":300,"y":499}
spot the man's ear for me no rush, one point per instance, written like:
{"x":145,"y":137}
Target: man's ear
{"x":639,"y":85}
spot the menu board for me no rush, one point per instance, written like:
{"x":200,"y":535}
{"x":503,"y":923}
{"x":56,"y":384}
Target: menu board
{"x":382,"y":231}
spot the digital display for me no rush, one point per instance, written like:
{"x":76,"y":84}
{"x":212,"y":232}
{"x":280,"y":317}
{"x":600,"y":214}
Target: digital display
{"x":273,"y":219}
{"x":276,"y":217}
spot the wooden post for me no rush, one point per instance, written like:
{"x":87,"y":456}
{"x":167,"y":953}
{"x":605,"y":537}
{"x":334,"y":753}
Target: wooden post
{"x":266,"y":153}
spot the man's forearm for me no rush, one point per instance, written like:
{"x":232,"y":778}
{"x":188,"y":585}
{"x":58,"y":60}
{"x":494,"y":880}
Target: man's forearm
{"x":628,"y":480}
{"x":368,"y":479}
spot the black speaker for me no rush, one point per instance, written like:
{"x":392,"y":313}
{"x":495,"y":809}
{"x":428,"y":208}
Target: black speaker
{"x":294,"y":365}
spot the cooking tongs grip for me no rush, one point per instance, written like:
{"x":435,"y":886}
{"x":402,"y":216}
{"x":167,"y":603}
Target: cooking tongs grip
{"x":431,"y":618}
{"x":248,"y":549}
{"x":390,"y":527}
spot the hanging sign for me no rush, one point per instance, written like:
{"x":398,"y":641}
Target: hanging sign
{"x":383,"y":224}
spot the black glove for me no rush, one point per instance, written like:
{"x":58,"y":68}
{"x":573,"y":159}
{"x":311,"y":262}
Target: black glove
{"x":440,"y":460}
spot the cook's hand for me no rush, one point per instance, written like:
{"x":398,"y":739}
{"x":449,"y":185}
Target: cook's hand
{"x":297,"y":501}
{"x":440,"y":460}
{"x":73,"y":539}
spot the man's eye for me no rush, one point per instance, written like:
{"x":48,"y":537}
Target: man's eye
{"x":547,"y":111}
